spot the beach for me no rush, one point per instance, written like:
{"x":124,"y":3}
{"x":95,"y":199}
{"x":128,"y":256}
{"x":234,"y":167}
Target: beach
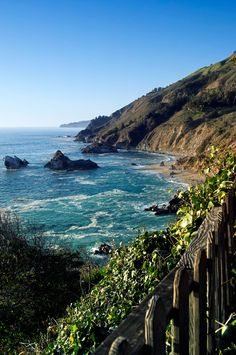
{"x":170,"y":170}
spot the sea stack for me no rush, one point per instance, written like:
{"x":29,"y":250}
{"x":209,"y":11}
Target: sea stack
{"x":14,"y":162}
{"x":62,"y":162}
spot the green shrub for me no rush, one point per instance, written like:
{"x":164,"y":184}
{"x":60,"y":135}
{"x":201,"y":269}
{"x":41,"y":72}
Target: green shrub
{"x":36,"y":283}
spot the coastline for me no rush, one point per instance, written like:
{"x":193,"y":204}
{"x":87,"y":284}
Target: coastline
{"x":169,"y":170}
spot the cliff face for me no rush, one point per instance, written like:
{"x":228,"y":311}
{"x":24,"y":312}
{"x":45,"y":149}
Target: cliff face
{"x":185,"y":117}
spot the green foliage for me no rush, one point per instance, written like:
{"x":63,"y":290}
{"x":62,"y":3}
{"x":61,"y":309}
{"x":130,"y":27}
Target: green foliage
{"x":228,"y":336}
{"x":131,"y":274}
{"x":134,"y":271}
{"x":35,"y":283}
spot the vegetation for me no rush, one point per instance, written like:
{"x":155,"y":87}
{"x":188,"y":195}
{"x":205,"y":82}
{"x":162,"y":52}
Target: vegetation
{"x":36,"y":283}
{"x":135,"y":270}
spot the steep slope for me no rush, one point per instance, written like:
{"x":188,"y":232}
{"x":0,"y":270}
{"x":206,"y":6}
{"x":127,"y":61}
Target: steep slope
{"x":185,"y":117}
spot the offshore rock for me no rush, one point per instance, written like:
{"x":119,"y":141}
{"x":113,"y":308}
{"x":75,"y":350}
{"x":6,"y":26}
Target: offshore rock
{"x":99,"y":148}
{"x":153,"y":208}
{"x":172,"y":207}
{"x":104,"y":249}
{"x":62,"y":162}
{"x":14,"y":162}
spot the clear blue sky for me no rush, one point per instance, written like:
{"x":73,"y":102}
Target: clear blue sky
{"x":70,"y":60}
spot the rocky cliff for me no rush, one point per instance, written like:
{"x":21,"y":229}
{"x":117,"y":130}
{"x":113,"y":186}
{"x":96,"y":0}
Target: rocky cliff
{"x":185,"y":117}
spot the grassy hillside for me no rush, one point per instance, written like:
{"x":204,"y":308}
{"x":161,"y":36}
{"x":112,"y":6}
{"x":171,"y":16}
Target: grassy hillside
{"x":190,"y":114}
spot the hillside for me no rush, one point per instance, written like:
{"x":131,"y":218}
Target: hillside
{"x":75,"y":124}
{"x":187,"y":116}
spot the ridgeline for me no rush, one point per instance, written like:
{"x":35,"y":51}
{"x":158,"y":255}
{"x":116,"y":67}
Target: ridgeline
{"x":187,"y":116}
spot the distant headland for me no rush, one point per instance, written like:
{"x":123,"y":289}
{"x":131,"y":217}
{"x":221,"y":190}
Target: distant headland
{"x":75,"y":124}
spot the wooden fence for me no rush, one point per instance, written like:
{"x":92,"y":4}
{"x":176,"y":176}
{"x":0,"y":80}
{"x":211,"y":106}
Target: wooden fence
{"x":192,"y":300}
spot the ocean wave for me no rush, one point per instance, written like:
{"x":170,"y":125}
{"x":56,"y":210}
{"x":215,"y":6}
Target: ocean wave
{"x":85,"y":182}
{"x":62,"y":235}
{"x":93,"y":224}
{"x":36,"y":204}
{"x":111,"y":192}
{"x":101,"y":214}
{"x":176,"y":182}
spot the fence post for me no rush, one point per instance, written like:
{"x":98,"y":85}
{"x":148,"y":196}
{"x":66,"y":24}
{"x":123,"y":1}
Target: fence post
{"x":229,"y":215}
{"x":199,"y":303}
{"x":180,"y":327}
{"x":155,"y":327}
{"x":120,"y":346}
{"x":211,"y":285}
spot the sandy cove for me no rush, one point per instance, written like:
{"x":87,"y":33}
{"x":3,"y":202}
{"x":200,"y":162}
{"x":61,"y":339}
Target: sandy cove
{"x":177,"y":173}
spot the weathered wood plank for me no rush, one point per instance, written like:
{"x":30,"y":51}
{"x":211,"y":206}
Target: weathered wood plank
{"x":180,"y":328}
{"x":211,"y":294}
{"x":120,"y":346}
{"x":199,"y":242}
{"x":228,"y":256}
{"x":230,"y":203}
{"x":199,"y":304}
{"x":155,"y":327}
{"x":133,"y":326}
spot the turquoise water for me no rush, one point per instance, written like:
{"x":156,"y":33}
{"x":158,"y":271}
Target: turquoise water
{"x":81,"y":208}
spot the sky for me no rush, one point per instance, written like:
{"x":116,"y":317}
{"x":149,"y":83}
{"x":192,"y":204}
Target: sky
{"x":70,"y":60}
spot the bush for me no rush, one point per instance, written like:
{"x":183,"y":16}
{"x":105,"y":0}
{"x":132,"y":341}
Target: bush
{"x":36,"y":282}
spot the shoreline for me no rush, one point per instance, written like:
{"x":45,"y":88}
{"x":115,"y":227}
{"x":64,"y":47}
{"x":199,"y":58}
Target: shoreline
{"x":170,"y":170}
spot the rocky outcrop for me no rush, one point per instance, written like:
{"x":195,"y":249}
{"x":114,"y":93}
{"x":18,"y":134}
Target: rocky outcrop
{"x":104,"y":249}
{"x":62,"y":162}
{"x":99,"y":148}
{"x":184,"y":118}
{"x":172,"y":207}
{"x":14,"y":162}
{"x":87,"y":134}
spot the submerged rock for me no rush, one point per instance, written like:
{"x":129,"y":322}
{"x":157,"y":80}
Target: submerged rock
{"x":99,"y":148}
{"x":62,"y":162}
{"x":172,"y":207}
{"x":104,"y":249}
{"x":153,"y":208}
{"x":14,"y":162}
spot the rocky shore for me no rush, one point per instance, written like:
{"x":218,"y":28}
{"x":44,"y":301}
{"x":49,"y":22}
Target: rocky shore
{"x":172,"y":207}
{"x":99,"y":148}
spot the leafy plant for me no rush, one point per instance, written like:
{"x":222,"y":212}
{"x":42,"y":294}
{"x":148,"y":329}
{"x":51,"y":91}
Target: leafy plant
{"x":36,"y":282}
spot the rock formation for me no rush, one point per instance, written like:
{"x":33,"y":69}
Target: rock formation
{"x":99,"y":148}
{"x":172,"y":207}
{"x":62,"y":162}
{"x":104,"y":249}
{"x":14,"y":162}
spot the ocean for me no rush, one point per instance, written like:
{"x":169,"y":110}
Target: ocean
{"x":81,"y":209}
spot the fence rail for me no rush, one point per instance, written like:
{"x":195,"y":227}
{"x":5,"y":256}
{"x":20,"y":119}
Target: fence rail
{"x":193,"y":297}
